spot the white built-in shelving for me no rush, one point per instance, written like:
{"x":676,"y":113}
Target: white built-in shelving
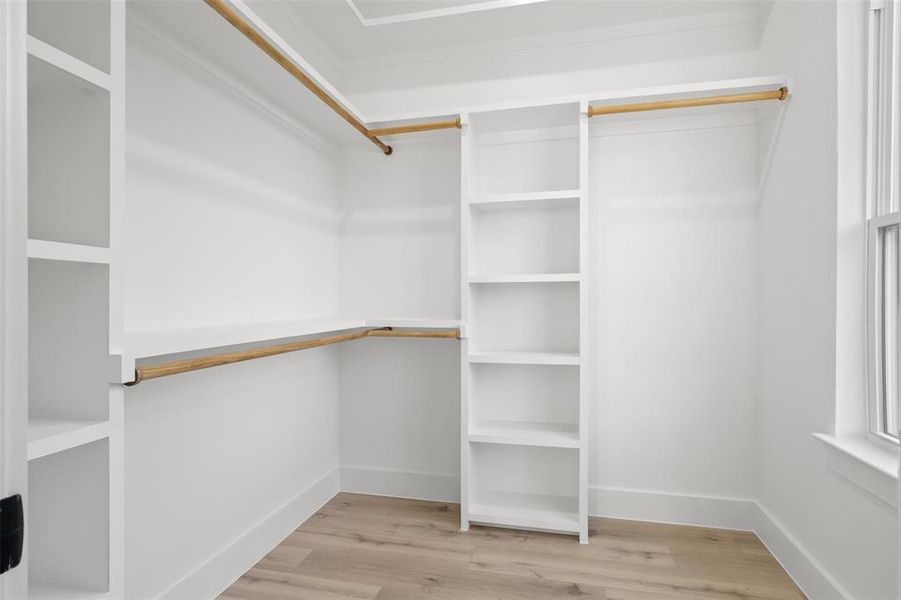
{"x":75,"y":124}
{"x":524,"y":433}
{"x":524,"y":256}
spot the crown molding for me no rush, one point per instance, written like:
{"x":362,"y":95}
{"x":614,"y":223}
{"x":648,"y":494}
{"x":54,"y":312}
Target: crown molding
{"x":726,"y":18}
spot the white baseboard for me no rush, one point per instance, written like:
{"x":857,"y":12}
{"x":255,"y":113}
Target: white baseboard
{"x":813,"y":579}
{"x":401,"y":484}
{"x":211,"y":578}
{"x":680,"y":509}
{"x":722,"y":513}
{"x":637,"y":505}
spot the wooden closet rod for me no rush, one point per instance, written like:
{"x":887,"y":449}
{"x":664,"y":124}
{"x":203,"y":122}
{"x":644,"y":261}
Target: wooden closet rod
{"x":225,"y":358}
{"x":415,"y":127}
{"x":780,"y":94}
{"x":229,"y":14}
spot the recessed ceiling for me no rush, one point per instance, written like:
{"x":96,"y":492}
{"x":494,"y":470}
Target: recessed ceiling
{"x":416,"y":25}
{"x":372,"y":13}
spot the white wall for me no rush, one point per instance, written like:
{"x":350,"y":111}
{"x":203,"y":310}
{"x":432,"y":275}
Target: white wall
{"x":673,"y":305}
{"x":849,"y":533}
{"x":697,"y":48}
{"x":400,"y":257}
{"x":230,"y":218}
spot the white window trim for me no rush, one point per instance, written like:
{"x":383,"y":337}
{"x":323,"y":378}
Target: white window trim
{"x":873,"y":467}
{"x":882,"y":184}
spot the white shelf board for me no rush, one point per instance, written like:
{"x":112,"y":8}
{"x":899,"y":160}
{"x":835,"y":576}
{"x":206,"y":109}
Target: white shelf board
{"x":525,"y":433}
{"x":526,"y":511}
{"x":46,"y":250}
{"x":143,"y":344}
{"x":527,"y":278}
{"x":49,"y":436}
{"x":546,"y":199}
{"x":38,"y":590}
{"x":524,"y":358}
{"x":68,"y":63}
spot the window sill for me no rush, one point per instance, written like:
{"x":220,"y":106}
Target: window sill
{"x":864,"y":463}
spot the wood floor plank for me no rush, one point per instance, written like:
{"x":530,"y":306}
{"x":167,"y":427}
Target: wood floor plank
{"x":378,"y":548}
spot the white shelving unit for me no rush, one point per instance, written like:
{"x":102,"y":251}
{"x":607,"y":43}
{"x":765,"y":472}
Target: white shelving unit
{"x":524,"y":281}
{"x":76,"y":62}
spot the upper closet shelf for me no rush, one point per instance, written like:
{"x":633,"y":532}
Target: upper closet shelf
{"x":616,"y":96}
{"x":67,"y":63}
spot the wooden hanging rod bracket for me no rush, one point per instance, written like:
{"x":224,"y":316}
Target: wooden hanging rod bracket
{"x":778,"y":94}
{"x":225,"y":358}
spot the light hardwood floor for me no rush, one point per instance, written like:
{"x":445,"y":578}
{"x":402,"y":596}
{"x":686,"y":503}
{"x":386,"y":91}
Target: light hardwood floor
{"x":360,"y":546}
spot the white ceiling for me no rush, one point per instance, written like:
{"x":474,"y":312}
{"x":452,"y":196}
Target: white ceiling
{"x":354,"y":29}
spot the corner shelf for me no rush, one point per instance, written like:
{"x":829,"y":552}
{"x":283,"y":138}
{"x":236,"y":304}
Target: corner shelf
{"x":525,"y":433}
{"x":49,"y":436}
{"x":527,"y":278}
{"x":46,"y":250}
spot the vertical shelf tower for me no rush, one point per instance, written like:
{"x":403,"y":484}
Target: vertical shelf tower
{"x":76,"y":87}
{"x":524,"y":249}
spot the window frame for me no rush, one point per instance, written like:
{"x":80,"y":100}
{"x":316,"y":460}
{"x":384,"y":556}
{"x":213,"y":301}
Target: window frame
{"x":882,"y":205}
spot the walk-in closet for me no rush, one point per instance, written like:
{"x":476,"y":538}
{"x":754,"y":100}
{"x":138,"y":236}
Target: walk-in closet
{"x":458,"y":299}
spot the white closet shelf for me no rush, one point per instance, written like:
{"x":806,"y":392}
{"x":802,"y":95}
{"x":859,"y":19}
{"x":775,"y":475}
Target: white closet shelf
{"x":164,"y":342}
{"x":524,"y":358}
{"x":527,"y":511}
{"x":38,"y":590}
{"x":49,"y":436}
{"x":527,"y":278}
{"x":46,"y":250}
{"x":68,"y":63}
{"x":547,"y":199}
{"x":525,"y":433}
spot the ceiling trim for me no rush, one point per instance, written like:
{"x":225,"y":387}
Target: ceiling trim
{"x":544,"y":41}
{"x":435,"y":13}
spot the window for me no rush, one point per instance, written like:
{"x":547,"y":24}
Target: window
{"x":884,"y":220}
